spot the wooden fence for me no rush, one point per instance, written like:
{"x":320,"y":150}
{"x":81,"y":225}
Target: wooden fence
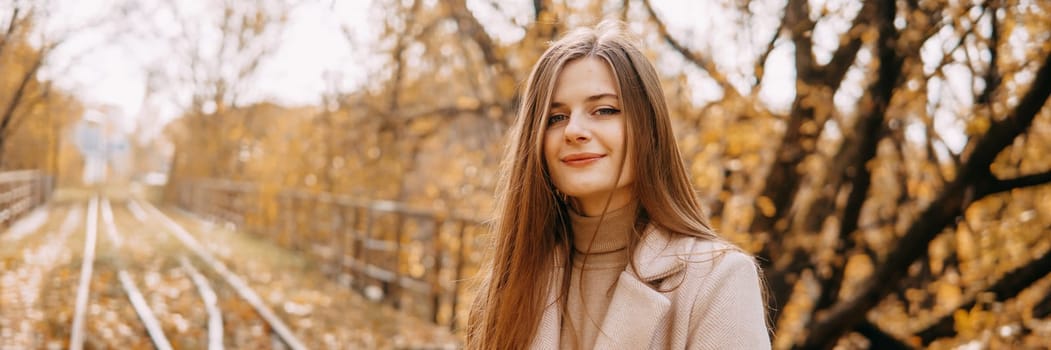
{"x":417,"y":260}
{"x":20,"y":192}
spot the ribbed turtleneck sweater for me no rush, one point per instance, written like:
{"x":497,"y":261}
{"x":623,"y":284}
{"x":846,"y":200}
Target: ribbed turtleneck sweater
{"x":600,"y":254}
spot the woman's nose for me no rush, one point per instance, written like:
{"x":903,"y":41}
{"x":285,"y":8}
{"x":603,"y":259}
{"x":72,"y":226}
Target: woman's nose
{"x":577,"y":129}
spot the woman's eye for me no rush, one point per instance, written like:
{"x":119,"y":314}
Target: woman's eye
{"x":556,"y":118}
{"x":607,"y":111}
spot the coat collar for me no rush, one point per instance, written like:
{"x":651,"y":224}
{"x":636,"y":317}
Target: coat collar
{"x":659,"y":255}
{"x":637,"y":309}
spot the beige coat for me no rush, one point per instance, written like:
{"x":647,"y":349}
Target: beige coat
{"x":688,"y":293}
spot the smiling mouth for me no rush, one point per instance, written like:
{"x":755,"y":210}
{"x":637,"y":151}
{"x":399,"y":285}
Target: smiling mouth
{"x":582,"y":159}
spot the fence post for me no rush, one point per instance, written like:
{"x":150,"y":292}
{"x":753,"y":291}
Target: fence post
{"x":396,"y":289}
{"x":195,"y":198}
{"x":458,"y":281}
{"x":436,"y":279}
{"x":296,"y":234}
{"x":284,"y":209}
{"x":335,"y":239}
{"x":367,"y":235}
{"x":357,"y":258}
{"x":347,"y":237}
{"x":37,"y":191}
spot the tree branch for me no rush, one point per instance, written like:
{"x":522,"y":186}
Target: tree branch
{"x":697,"y":59}
{"x":941,"y":212}
{"x":834,"y":71}
{"x":870,"y":131}
{"x":539,"y":6}
{"x":801,"y":27}
{"x":994,"y":185}
{"x":992,"y":72}
{"x":16,"y":99}
{"x":470,"y":26}
{"x":812,"y":90}
{"x":1007,"y":287}
{"x":948,"y":55}
{"x":932,"y":136}
{"x":1043,"y":308}
{"x":406,"y":115}
{"x":760,"y":63}
{"x":27,"y":102}
{"x":399,"y":65}
{"x":10,"y":28}
{"x":783,"y":181}
{"x":878,"y":339}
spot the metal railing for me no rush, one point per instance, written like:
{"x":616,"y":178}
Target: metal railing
{"x":416,"y":260}
{"x":20,"y":192}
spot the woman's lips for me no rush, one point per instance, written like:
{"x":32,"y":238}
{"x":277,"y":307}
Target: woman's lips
{"x":581,"y":159}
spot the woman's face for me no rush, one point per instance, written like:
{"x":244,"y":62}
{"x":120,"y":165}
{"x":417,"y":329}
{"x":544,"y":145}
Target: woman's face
{"x":584,"y":140}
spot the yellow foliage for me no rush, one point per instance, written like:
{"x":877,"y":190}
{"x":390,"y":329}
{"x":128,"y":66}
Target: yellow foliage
{"x":948,"y":296}
{"x":766,"y":206}
{"x":390,"y":145}
{"x":41,"y":115}
{"x":977,"y":126}
{"x":858,"y":267}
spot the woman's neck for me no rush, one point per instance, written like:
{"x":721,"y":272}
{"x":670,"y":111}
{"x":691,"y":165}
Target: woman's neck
{"x":598,"y":234}
{"x":595,"y":204}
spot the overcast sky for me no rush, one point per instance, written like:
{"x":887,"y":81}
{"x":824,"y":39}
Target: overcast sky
{"x":106,"y":64}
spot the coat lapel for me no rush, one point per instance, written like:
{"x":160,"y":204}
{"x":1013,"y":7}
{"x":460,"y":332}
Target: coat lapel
{"x":637,"y":310}
{"x":549,"y":331}
{"x":658,"y":256}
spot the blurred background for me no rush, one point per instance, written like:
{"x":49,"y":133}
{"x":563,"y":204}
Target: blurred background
{"x":886,"y":160}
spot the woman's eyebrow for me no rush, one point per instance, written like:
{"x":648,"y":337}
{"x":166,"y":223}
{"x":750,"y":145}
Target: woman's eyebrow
{"x":601,"y":96}
{"x":556,"y":104}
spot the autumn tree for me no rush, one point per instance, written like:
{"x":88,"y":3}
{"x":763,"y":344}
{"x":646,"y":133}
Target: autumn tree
{"x":217,"y":51}
{"x":893,"y":199}
{"x":34,"y":115}
{"x":20,"y":62}
{"x":393,"y":126}
{"x":845,"y":209}
{"x":875,"y":183}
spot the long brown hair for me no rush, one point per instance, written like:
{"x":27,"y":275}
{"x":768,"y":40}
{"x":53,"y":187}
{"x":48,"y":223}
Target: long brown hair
{"x":531,"y":235}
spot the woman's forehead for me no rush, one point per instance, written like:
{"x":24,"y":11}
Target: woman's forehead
{"x":584,"y":79}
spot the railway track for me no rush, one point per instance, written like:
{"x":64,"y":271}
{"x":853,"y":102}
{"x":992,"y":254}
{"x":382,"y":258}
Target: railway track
{"x":113,"y":273}
{"x":87,"y":268}
{"x":230,"y":284}
{"x":178,"y":264}
{"x":130,"y":286}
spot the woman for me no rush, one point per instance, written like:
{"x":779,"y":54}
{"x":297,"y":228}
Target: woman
{"x":599,"y":240}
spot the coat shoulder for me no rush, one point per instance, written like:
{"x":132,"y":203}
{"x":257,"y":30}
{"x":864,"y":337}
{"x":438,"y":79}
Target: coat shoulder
{"x":707,"y":257}
{"x":663,"y":254}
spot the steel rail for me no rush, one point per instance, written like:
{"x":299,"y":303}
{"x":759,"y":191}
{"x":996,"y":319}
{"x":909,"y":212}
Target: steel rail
{"x":138,"y":302}
{"x":76,"y":341}
{"x":236,"y":282}
{"x":211,"y":304}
